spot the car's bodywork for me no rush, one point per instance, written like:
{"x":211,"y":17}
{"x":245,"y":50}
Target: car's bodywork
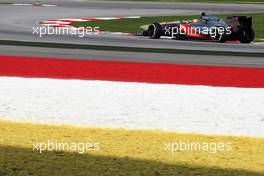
{"x":206,"y":28}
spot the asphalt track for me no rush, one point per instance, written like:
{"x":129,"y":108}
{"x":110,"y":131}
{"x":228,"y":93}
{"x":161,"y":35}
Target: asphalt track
{"x":17,"y":22}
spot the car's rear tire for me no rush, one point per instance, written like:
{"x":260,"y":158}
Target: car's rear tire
{"x":246,"y":36}
{"x":154,"y":31}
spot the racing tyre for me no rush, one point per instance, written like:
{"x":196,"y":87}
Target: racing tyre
{"x":154,"y":31}
{"x":246,"y":36}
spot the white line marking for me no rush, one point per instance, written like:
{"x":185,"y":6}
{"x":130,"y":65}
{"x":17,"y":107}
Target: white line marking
{"x":201,"y":109}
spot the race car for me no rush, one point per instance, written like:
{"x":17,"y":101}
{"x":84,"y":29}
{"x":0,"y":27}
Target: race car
{"x":208,"y":27}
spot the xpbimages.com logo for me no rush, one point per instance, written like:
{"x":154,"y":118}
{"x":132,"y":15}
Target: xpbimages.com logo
{"x":183,"y":30}
{"x":80,"y":32}
{"x":80,"y":147}
{"x":211,"y":147}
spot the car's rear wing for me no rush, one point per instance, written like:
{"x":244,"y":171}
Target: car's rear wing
{"x":244,"y":21}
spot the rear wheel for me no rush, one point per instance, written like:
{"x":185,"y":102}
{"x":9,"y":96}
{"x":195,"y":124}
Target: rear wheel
{"x":246,"y":36}
{"x":154,"y":31}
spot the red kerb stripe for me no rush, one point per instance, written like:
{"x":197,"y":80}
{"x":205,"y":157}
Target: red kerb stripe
{"x":131,"y":72}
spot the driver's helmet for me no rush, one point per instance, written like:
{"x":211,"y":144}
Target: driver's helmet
{"x":203,"y":17}
{"x":202,"y":14}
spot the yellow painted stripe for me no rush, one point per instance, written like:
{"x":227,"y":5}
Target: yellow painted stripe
{"x":123,"y":152}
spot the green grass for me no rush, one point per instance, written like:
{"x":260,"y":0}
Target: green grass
{"x":133,"y":25}
{"x":207,"y":1}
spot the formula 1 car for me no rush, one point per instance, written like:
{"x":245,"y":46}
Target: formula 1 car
{"x":206,"y":28}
